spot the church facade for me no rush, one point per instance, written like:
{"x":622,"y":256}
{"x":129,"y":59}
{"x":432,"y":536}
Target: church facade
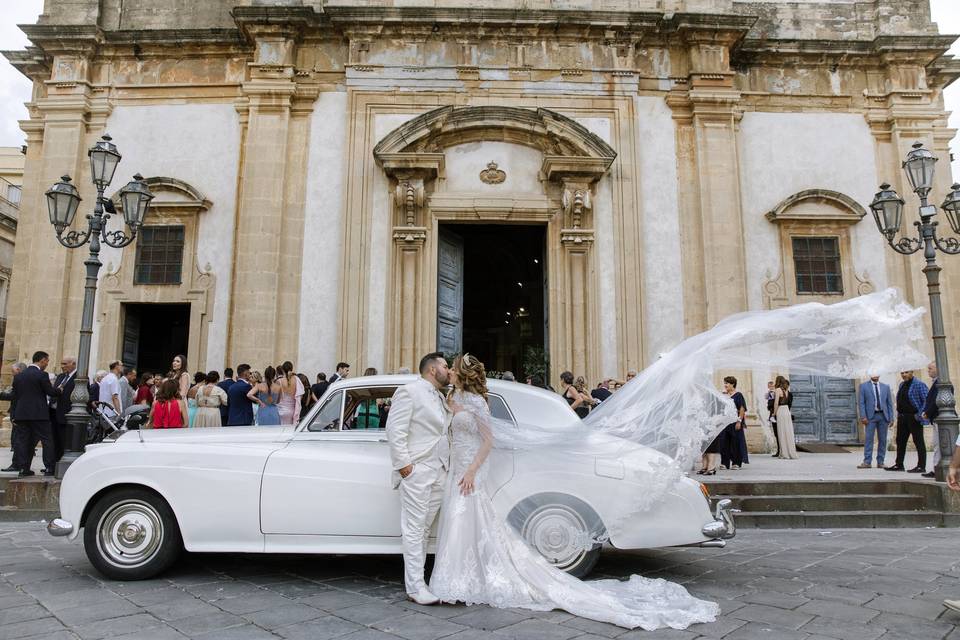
{"x":575,"y":185}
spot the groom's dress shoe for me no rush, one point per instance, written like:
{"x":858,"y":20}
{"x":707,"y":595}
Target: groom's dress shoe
{"x":424,"y":597}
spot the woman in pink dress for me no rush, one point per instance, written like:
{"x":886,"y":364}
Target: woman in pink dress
{"x":290,"y":391}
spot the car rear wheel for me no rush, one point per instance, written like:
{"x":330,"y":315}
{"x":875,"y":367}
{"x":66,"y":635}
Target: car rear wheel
{"x":564,"y":529}
{"x":131,"y":534}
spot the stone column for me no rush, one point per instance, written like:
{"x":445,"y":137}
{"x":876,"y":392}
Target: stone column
{"x":263,"y":263}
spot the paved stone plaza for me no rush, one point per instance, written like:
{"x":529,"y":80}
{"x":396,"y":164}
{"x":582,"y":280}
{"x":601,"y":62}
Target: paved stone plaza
{"x":781,"y":585}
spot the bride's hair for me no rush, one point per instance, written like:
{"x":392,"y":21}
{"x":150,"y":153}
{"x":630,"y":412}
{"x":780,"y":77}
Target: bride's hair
{"x":471,"y":375}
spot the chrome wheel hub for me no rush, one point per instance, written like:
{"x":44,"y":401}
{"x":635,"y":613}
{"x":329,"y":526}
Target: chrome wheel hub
{"x":129,"y":534}
{"x":558,"y":533}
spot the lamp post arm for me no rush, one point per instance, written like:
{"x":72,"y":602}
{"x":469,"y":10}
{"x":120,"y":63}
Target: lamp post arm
{"x":948,"y":245}
{"x":907,"y":245}
{"x":73,"y":239}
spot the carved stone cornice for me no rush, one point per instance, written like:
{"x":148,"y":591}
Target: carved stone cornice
{"x":577,"y":239}
{"x":410,"y":237}
{"x":840,"y":209}
{"x":425,"y":166}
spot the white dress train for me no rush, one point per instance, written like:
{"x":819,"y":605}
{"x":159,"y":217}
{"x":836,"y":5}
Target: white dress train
{"x":482,"y":560}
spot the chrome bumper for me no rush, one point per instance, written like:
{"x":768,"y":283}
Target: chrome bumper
{"x":59,"y":528}
{"x":723,"y":527}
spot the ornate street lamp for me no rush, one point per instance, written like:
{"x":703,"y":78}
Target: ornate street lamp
{"x":62,"y":203}
{"x":887,"y":208}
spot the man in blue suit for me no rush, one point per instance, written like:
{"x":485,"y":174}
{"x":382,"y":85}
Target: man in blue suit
{"x":876,"y":415}
{"x":239,"y":406}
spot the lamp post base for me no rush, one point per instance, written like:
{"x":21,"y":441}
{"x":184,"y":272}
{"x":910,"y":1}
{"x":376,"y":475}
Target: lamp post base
{"x":64,"y":463}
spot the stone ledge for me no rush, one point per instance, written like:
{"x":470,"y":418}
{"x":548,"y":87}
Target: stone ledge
{"x":36,"y":493}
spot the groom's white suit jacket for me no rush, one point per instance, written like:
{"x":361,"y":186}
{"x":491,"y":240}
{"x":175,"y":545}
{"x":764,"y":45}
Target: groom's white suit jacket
{"x":418,"y":427}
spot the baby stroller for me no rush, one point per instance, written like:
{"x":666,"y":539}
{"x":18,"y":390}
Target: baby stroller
{"x":106,"y":424}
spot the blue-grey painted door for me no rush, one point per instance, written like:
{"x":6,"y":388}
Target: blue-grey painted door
{"x":449,"y":292}
{"x":824,"y":409}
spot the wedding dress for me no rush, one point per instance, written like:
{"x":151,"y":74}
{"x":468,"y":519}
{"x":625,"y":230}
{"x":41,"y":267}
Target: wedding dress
{"x":482,"y":560}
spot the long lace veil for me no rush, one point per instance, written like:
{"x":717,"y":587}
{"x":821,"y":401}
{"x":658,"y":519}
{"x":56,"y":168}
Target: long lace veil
{"x":674,"y":407}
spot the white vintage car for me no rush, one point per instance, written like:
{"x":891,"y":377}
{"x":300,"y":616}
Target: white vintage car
{"x":324,"y":487}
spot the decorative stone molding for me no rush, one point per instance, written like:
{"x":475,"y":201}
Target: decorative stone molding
{"x":864,"y":284}
{"x":409,"y":199}
{"x":576,"y":202}
{"x":493,"y":174}
{"x":774,"y":291}
{"x":827,"y":206}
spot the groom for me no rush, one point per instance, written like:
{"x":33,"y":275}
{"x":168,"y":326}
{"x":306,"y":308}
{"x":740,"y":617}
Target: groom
{"x":419,"y":449}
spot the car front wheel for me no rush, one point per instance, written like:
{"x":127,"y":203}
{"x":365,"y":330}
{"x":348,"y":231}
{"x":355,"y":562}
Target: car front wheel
{"x":564,"y":529}
{"x":131,"y":534}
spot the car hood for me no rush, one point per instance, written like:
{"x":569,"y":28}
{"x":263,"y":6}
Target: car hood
{"x":210,"y":435}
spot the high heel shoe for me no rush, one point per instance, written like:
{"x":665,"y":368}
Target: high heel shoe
{"x":712,"y":472}
{"x":701,"y":472}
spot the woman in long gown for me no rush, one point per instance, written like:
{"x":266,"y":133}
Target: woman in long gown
{"x":209,"y":399}
{"x":782,"y":399}
{"x":482,"y":560}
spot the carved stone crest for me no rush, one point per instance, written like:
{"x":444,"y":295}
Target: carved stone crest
{"x":492,"y":175}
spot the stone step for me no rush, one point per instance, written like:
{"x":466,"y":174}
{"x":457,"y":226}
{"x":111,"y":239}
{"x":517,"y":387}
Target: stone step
{"x":854,"y":502}
{"x":843,"y":519}
{"x":823,"y":487}
{"x":36,"y":492}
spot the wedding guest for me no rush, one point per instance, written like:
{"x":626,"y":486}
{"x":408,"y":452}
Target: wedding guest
{"x":199,"y":379}
{"x":320,"y":387}
{"x":782,"y":401}
{"x":573,"y":397}
{"x":930,"y":413}
{"x":18,"y":432}
{"x":180,"y":374}
{"x":771,"y":418}
{"x":60,"y":405}
{"x":145,"y":390}
{"x":266,"y":394}
{"x":126,"y":382}
{"x":733,"y":450}
{"x":110,"y":387}
{"x":308,"y":399}
{"x":343,"y":370}
{"x":876,"y":415}
{"x":169,"y":411}
{"x":32,"y":389}
{"x":93,"y":388}
{"x":225,"y":384}
{"x":240,"y":407}
{"x":291,"y":392}
{"x":911,"y":399}
{"x":210,"y":397}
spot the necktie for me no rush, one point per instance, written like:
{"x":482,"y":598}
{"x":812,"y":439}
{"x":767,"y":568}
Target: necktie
{"x":876,"y":391}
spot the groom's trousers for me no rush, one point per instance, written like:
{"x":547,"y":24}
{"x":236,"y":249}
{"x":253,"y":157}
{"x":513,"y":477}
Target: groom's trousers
{"x":421,"y":493}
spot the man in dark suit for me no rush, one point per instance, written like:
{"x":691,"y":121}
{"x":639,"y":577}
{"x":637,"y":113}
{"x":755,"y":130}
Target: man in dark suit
{"x":60,"y":406}
{"x":225,"y":384}
{"x":320,"y":387}
{"x":18,"y":431}
{"x":32,"y":388}
{"x":930,"y":413}
{"x":239,"y":406}
{"x":343,"y":370}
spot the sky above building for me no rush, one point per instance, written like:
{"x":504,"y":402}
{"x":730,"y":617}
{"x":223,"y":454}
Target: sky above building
{"x":15,"y":89}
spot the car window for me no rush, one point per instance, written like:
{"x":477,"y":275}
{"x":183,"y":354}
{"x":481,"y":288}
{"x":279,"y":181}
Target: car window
{"x":367,"y":408}
{"x":328,"y":417}
{"x":498,"y":408}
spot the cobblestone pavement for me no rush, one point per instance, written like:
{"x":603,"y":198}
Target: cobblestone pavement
{"x":777,"y":585}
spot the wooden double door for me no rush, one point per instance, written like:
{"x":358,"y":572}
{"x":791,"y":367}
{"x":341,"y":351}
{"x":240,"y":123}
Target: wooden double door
{"x":824,"y":409}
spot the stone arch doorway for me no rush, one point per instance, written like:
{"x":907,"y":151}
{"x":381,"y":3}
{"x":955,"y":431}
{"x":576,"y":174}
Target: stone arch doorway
{"x":502,"y":166}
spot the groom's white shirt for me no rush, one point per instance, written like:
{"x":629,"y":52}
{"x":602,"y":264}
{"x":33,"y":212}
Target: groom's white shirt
{"x":417,"y":427}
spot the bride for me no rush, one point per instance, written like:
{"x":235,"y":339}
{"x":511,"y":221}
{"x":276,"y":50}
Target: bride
{"x":481,"y":560}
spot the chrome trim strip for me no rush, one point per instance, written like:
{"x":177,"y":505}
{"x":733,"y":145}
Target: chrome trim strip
{"x":59,"y":528}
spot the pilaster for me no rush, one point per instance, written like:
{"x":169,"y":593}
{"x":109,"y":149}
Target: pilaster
{"x":264,"y":314}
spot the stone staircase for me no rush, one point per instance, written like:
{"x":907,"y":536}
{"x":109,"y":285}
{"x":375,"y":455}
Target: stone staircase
{"x":28,"y":499}
{"x":869,"y":504}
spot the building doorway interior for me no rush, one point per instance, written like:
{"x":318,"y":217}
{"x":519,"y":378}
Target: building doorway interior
{"x":491,"y":294}
{"x":153,"y":334}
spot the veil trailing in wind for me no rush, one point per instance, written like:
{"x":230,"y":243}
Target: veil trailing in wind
{"x":675,"y":408}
